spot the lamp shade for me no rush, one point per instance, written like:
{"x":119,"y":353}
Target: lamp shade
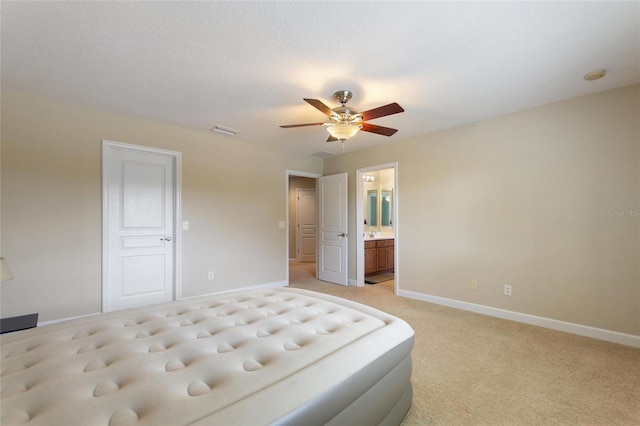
{"x":5,"y":272}
{"x":343,"y":131}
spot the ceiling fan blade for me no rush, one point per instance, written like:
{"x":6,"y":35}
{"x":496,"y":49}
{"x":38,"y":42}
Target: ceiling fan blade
{"x":380,"y":130}
{"x":320,"y":106}
{"x":382,"y":111}
{"x":288,"y":126}
{"x":331,"y":139}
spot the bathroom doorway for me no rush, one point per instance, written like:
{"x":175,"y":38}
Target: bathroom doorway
{"x":377,"y":225}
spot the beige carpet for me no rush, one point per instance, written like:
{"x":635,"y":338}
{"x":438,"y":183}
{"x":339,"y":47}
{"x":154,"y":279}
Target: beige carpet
{"x":471,"y":369}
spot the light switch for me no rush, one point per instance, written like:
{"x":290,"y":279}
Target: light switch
{"x":281,"y":224}
{"x":185,"y":226}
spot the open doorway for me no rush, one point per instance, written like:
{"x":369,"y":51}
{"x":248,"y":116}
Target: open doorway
{"x":377,"y":225}
{"x":301,"y":226}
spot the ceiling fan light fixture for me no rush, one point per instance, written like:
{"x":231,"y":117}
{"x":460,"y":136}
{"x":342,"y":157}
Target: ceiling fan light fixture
{"x":343,"y":131}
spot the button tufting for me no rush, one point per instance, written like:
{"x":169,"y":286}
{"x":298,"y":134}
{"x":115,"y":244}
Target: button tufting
{"x":123,"y":417}
{"x":105,"y":389}
{"x":94,"y":365}
{"x":19,"y":351}
{"x":174,"y":365}
{"x":14,"y":389}
{"x":16,"y":418}
{"x":157,"y":347}
{"x":80,"y":335}
{"x":198,"y":388}
{"x":291,"y":346}
{"x":203,"y":334}
{"x":225,"y":348}
{"x":13,"y":369}
{"x":195,"y":365}
{"x":142,"y":334}
{"x":86,"y":348}
{"x":252,"y":365}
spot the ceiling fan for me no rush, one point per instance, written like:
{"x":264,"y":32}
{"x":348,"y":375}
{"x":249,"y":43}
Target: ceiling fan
{"x":347,"y":121}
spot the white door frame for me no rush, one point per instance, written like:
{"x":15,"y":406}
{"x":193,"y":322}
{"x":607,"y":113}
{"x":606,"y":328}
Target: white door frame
{"x":360,"y":222}
{"x":177,"y":253}
{"x":288,"y":174}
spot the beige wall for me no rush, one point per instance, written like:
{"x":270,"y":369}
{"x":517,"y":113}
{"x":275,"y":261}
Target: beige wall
{"x":233,"y":195}
{"x":546,"y":200}
{"x":295,"y":183}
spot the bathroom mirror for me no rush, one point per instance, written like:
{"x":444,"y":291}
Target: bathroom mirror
{"x":372,"y":208}
{"x":386,"y":207}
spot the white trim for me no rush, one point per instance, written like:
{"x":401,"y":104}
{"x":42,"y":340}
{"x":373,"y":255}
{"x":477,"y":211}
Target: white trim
{"x":177,"y":253}
{"x":288,"y":174}
{"x":360,"y":223}
{"x":42,"y":324}
{"x":275,"y":284}
{"x":567,"y":327}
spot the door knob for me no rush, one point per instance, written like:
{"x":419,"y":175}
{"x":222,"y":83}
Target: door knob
{"x":165,"y":239}
{"x":342,"y":235}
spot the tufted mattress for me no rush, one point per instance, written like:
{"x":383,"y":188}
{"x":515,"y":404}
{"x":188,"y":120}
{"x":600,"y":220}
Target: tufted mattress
{"x":283,"y":356}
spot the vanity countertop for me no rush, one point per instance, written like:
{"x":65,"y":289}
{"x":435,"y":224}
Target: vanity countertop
{"x":377,"y":237}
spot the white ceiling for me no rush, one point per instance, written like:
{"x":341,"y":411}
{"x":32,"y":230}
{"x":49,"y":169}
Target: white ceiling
{"x":247,"y":65}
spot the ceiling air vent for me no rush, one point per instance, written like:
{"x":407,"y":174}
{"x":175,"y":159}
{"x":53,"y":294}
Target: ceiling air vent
{"x":323,"y":154}
{"x":225,"y":130}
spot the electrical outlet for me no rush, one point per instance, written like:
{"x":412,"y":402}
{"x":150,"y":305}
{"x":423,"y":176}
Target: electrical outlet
{"x":507,"y":290}
{"x":474,"y":285}
{"x":210,"y":276}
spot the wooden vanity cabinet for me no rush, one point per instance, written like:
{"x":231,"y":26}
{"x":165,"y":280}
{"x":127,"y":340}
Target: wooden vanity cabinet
{"x":385,"y":255}
{"x":370,"y":257}
{"x":378,"y":256}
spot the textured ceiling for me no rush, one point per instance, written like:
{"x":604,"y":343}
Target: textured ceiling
{"x":247,"y":65}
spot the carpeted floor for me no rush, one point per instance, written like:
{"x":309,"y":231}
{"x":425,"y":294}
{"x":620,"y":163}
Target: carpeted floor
{"x":471,"y":369}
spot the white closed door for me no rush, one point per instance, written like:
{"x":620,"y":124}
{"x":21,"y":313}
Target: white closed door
{"x":307,"y":226}
{"x":332,"y":233}
{"x":140,"y":227}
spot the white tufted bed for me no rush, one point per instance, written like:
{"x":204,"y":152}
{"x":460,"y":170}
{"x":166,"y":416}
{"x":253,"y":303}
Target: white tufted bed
{"x":277,"y":356}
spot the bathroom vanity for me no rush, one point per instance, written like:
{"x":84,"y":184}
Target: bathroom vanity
{"x":378,"y":255}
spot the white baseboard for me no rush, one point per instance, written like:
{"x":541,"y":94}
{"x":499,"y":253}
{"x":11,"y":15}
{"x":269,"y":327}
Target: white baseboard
{"x":568,"y":327}
{"x":41,"y":324}
{"x":252,"y":287}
